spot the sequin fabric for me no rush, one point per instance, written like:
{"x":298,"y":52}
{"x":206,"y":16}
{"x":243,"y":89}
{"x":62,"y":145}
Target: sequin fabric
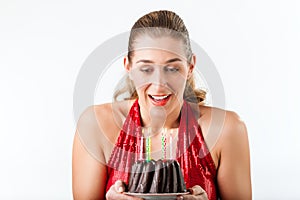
{"x":192,"y":153}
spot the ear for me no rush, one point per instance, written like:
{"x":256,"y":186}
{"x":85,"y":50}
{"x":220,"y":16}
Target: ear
{"x":127,"y":66}
{"x":126,"y":63}
{"x":191,"y":66}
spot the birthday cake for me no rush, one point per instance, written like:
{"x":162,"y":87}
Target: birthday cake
{"x":161,"y":176}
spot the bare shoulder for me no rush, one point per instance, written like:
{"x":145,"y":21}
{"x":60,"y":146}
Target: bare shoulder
{"x":234,"y":127}
{"x":227,"y":134}
{"x":229,"y":121}
{"x":221,"y":129}
{"x":99,"y":126}
{"x":92,"y":116}
{"x":106,"y":117}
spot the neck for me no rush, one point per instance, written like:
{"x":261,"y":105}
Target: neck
{"x":158,"y":118}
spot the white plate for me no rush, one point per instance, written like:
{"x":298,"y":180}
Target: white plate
{"x":156,"y":195}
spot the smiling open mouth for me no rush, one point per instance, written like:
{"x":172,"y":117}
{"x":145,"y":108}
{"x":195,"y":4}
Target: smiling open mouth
{"x":159,"y":100}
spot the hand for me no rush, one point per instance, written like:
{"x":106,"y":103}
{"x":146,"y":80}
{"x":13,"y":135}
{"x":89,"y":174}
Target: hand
{"x":116,"y":192}
{"x":196,"y":193}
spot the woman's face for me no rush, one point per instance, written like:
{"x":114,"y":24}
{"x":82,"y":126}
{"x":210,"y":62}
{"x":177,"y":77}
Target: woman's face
{"x":159,"y":71}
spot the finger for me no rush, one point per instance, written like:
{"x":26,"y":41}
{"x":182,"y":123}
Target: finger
{"x":193,"y":197}
{"x":179,"y":198}
{"x":196,"y":190}
{"x":189,"y":197}
{"x":119,"y":196}
{"x":119,"y":186}
{"x":126,"y":197}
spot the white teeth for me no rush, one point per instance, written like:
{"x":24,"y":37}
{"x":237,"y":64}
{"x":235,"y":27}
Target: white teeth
{"x":159,"y":97}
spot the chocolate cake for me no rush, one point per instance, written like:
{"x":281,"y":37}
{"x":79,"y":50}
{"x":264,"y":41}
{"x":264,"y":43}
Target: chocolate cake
{"x":161,"y":176}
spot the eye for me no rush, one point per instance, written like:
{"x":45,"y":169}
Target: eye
{"x":171,"y":69}
{"x":146,"y":69}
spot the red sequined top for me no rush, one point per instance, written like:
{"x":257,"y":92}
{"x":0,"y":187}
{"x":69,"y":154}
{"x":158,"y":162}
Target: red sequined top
{"x":192,"y":153}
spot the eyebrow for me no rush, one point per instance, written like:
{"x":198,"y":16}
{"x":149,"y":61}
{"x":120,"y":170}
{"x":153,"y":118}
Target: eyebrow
{"x":150,"y":61}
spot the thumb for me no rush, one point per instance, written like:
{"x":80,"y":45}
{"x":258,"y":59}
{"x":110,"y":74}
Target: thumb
{"x":119,"y":186}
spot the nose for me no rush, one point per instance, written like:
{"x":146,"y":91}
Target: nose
{"x":158,"y":78}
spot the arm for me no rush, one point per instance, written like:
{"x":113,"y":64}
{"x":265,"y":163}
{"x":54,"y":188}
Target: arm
{"x":88,"y":163}
{"x":233,"y":177}
{"x":88,"y":174}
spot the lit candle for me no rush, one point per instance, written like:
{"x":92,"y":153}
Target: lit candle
{"x":164,"y":143}
{"x":142,"y":144}
{"x":171,"y":144}
{"x":148,"y":145}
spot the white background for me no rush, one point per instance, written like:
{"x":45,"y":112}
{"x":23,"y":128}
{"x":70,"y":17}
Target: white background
{"x":254,"y":44}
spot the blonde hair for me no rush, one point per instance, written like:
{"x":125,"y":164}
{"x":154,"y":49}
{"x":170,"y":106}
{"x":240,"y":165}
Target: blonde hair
{"x":161,"y":22}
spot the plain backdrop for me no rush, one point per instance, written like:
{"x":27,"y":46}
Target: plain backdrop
{"x":254,"y":44}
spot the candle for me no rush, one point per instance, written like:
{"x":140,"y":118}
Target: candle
{"x":164,"y":143}
{"x":148,"y":145}
{"x":142,"y":144}
{"x":171,"y":144}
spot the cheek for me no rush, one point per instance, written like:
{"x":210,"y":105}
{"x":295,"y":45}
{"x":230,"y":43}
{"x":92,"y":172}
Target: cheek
{"x":138,"y":78}
{"x":180,"y":86}
{"x":177,"y":85}
{"x":140,"y":84}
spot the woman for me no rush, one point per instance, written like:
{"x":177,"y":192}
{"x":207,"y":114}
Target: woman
{"x":162,"y":93}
